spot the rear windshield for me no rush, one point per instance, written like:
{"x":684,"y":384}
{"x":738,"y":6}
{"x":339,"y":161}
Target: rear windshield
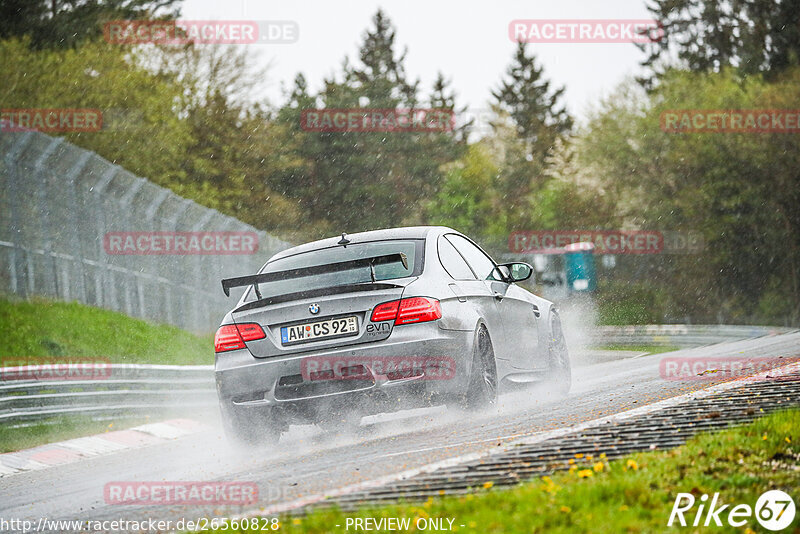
{"x":412,"y":248}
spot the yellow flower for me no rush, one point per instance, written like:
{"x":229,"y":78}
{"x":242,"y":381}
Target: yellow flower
{"x":570,"y":461}
{"x":428,"y":503}
{"x":487,"y":485}
{"x":764,"y":437}
{"x":598,"y":467}
{"x":573,"y":469}
{"x":441,"y":492}
{"x":579,"y":455}
{"x":295,"y":521}
{"x":631,"y":464}
{"x":788,"y":439}
{"x":547,"y":479}
{"x":565,"y":509}
{"x":602,"y":456}
{"x":585,"y":473}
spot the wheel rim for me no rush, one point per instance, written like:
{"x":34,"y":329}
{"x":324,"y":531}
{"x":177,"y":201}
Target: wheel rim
{"x":558,"y":346}
{"x":488,"y":370}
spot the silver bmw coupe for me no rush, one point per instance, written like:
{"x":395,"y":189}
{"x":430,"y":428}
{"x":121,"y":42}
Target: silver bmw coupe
{"x":334,"y":330}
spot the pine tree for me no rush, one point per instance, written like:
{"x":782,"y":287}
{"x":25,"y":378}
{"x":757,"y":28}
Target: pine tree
{"x":532,"y":104}
{"x":526,"y":103}
{"x":356,"y":180}
{"x":706,"y":35}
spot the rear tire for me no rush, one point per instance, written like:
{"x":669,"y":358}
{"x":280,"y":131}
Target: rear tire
{"x":482,"y":388}
{"x":559,"y":377}
{"x":250,"y":426}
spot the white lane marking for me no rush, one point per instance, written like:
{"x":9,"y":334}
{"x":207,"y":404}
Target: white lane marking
{"x":500,"y":438}
{"x":696,"y":395}
{"x":163,"y":430}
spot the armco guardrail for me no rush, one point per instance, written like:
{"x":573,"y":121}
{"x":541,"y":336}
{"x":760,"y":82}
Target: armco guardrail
{"x":150,"y":389}
{"x":679,"y":335}
{"x":115,"y":389}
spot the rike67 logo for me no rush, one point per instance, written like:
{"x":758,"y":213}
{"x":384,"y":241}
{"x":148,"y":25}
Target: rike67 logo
{"x":774,"y":510}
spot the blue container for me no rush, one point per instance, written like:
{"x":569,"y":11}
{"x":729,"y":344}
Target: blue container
{"x":579,"y":266}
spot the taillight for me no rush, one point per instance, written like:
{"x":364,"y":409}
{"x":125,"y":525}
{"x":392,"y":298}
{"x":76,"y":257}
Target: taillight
{"x":385,"y":312}
{"x":418,"y":310}
{"x":233,"y":336}
{"x":407,"y":311}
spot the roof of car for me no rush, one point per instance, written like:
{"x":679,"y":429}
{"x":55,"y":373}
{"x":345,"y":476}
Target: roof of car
{"x":409,"y":232}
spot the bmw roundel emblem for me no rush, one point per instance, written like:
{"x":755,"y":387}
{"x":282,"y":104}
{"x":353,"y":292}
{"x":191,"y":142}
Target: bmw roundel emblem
{"x":314,"y":309}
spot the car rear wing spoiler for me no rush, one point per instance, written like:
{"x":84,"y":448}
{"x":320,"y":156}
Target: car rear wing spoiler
{"x":255,"y":279}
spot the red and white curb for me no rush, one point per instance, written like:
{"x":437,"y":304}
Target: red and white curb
{"x":74,"y":450}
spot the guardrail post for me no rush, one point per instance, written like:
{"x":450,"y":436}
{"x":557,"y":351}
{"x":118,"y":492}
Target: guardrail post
{"x":103,"y":281}
{"x":75,"y":237}
{"x":43,"y":210}
{"x":18,"y":287}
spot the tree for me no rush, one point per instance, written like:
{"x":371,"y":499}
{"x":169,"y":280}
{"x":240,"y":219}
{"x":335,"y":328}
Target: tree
{"x":359,"y":180}
{"x":754,"y":36}
{"x":532,"y":104}
{"x":66,"y":23}
{"x":530,"y":120}
{"x":467,"y":199}
{"x":232,"y":154}
{"x":141,"y":131}
{"x":739,"y":190}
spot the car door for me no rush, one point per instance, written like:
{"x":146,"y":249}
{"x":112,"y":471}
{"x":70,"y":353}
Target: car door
{"x":516,"y":313}
{"x":469,"y":290}
{"x":521,"y":322}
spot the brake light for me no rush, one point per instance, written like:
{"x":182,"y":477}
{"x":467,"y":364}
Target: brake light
{"x":251,"y":331}
{"x":232,"y":336}
{"x":408,"y":311}
{"x":385,"y":312}
{"x":418,"y":310}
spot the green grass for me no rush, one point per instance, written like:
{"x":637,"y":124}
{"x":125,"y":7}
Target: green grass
{"x":634,"y":494}
{"x":649,"y":349}
{"x":46,"y":329}
{"x":59,"y":429}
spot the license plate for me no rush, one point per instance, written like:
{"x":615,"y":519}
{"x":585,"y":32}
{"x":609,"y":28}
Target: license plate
{"x":342,"y":326}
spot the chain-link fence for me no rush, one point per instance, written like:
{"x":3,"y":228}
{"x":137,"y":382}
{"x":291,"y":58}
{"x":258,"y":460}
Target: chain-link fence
{"x":58,"y":206}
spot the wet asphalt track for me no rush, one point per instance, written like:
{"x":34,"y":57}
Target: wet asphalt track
{"x":308,"y":462}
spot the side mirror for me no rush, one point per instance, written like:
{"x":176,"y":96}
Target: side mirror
{"x":518,"y":271}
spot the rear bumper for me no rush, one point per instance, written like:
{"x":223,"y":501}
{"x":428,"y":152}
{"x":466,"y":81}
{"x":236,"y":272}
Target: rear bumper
{"x":435,"y":363}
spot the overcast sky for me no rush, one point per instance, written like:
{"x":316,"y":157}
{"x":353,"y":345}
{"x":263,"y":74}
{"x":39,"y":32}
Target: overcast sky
{"x":467,"y":40}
